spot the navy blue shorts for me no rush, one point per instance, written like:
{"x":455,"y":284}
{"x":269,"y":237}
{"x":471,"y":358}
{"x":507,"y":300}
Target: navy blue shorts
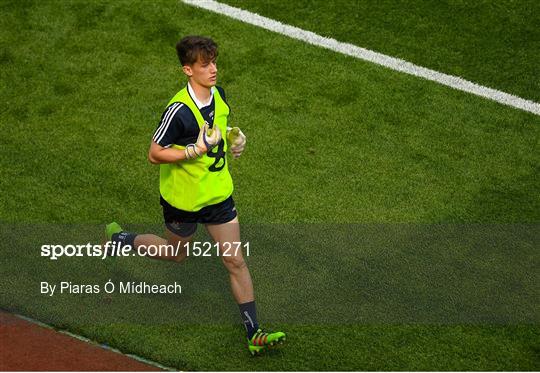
{"x":184,"y":223}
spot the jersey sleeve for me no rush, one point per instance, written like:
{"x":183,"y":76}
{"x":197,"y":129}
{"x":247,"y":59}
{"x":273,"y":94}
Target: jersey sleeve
{"x":170,"y":127}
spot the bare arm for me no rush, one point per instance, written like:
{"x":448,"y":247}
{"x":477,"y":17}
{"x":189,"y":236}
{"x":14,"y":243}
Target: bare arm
{"x":157,"y":154}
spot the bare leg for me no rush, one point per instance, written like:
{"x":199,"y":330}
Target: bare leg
{"x":241,"y":285}
{"x":142,"y":241}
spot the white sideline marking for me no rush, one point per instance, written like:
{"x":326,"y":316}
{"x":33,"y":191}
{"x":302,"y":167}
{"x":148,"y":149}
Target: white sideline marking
{"x":368,"y":55}
{"x":84,"y":339}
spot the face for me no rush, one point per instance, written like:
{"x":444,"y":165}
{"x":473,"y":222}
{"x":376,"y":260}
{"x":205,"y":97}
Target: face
{"x":203,"y":73}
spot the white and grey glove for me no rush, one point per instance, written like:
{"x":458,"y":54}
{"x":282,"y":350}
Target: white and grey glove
{"x":208,"y":138}
{"x":237,"y":141}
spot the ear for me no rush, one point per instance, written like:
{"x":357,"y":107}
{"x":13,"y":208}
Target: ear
{"x":187,"y":70}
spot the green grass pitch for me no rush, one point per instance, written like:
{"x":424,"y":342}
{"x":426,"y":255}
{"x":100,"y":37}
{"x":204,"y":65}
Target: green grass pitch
{"x":332,"y":142}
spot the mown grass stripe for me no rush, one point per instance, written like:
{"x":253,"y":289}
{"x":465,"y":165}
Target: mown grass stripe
{"x":368,"y":55}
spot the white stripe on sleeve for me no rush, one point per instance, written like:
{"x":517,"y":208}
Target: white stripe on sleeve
{"x":166,"y":121}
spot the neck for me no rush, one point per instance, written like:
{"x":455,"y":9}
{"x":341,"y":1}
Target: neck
{"x":202,"y":93}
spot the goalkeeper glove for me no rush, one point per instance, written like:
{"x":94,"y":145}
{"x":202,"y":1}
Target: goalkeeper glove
{"x":237,"y":141}
{"x":208,"y":138}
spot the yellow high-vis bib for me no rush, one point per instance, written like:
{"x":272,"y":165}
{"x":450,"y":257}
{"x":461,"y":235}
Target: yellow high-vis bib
{"x":190,"y":185}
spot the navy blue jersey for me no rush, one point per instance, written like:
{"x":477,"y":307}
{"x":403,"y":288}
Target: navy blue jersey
{"x":179,"y":126}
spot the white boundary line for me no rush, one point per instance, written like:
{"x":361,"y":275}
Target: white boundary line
{"x":89,"y":341}
{"x":368,"y":55}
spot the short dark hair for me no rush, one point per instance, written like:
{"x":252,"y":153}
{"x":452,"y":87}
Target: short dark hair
{"x":191,"y":47}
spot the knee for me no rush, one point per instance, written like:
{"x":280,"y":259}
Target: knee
{"x":178,"y":252}
{"x":178,"y":258}
{"x":234,"y":263}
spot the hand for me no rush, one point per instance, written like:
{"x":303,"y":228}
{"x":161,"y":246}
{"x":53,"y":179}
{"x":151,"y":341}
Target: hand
{"x":237,"y":141}
{"x":208,"y":138}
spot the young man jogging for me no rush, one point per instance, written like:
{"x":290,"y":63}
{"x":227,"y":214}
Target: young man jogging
{"x":190,"y":145}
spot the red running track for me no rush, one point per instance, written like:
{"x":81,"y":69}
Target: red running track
{"x":25,"y":346}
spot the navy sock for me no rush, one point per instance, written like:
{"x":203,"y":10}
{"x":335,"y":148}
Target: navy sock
{"x":124,"y":238}
{"x":249,"y":316}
